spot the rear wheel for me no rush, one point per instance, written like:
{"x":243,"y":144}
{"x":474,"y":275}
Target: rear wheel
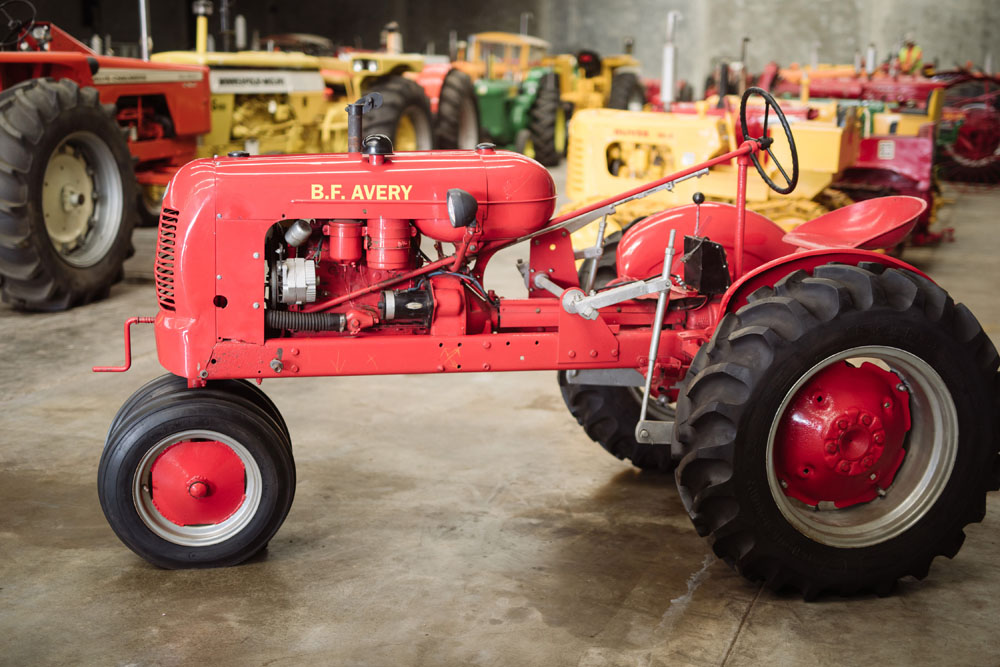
{"x":626,"y":92}
{"x":404,"y":117}
{"x":457,"y":122}
{"x":547,"y":124}
{"x":66,"y":213}
{"x":202,"y":482}
{"x":840,"y":430}
{"x":609,"y":416}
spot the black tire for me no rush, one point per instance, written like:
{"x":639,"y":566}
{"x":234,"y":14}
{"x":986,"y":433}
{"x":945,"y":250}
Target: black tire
{"x":171,"y":384}
{"x":609,"y":415}
{"x":746,"y":374}
{"x":627,"y":92}
{"x":547,"y":123}
{"x":39,"y":117}
{"x":457,"y":122}
{"x":267,"y":482}
{"x":404,"y":104}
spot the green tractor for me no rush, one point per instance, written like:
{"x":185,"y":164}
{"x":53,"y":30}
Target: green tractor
{"x":518,"y":95}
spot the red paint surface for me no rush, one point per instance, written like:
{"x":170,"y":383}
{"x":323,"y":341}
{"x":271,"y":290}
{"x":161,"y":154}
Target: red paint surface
{"x":198,"y":482}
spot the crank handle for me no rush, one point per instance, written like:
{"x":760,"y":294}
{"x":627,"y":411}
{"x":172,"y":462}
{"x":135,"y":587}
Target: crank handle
{"x":128,"y":346}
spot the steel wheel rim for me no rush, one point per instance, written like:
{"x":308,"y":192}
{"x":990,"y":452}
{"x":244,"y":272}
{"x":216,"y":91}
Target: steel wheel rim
{"x":152,"y":199}
{"x":931,"y":445}
{"x":203,"y":535}
{"x":559,"y":136}
{"x":655,"y":409}
{"x":82,"y":210}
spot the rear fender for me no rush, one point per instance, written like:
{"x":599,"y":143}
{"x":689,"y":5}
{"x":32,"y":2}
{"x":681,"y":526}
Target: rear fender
{"x":768,"y":274}
{"x":640,"y":253}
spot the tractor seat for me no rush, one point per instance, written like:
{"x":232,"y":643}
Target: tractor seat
{"x":873,"y":224}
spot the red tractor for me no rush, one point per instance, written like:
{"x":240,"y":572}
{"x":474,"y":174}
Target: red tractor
{"x":78,"y":132}
{"x":836,"y":423}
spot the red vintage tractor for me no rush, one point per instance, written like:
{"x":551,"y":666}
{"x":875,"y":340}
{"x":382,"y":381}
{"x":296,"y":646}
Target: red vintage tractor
{"x":78,"y":132}
{"x":836,"y":423}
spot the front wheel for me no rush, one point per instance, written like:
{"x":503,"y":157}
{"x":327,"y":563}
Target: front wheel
{"x":840,"y":431}
{"x":202,"y":482}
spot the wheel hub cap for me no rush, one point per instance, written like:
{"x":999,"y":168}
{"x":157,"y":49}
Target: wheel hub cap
{"x":67,"y":198}
{"x":840,"y":441}
{"x":198,"y":483}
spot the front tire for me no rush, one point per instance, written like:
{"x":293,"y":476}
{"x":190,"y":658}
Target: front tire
{"x":840,"y":430}
{"x":66,"y":199}
{"x":404,"y":117}
{"x":627,"y":92}
{"x":201,"y":482}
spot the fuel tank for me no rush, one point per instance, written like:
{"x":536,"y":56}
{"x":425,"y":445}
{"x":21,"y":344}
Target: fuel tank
{"x":516,"y":195}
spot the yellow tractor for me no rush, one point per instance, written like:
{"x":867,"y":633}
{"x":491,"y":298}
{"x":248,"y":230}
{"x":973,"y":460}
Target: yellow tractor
{"x":611,"y":151}
{"x":587,"y":81}
{"x":289,"y":102}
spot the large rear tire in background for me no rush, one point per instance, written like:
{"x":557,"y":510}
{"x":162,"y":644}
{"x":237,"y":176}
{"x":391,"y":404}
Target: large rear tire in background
{"x":840,"y":430}
{"x":547,"y":124}
{"x":457,"y":122}
{"x":626,"y":92}
{"x":609,"y":416}
{"x":198,"y":480}
{"x":404,"y":117}
{"x":67,"y":195}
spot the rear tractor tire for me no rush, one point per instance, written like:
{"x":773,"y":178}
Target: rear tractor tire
{"x":840,"y":430}
{"x":404,"y":117}
{"x":457,"y":122}
{"x":609,"y":415}
{"x":66,"y":196}
{"x":627,"y":92}
{"x":547,"y":124}
{"x":196,"y":480}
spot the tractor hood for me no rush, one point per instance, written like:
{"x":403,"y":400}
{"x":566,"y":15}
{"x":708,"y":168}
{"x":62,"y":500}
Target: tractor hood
{"x":515,"y":194}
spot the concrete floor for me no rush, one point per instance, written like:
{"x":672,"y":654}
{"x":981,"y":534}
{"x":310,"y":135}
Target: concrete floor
{"x":460,"y":520}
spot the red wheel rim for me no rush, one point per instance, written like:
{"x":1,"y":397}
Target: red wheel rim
{"x":841,"y":438}
{"x":198,"y":483}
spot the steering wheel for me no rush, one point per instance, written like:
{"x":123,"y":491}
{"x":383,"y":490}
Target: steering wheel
{"x":16,"y":26}
{"x":765,"y":141}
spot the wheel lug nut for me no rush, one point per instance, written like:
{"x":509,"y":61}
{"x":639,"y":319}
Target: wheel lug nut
{"x":879,"y":438}
{"x":842,"y":424}
{"x":866,"y":420}
{"x":831,"y":448}
{"x":867,"y":462}
{"x":845,"y":466}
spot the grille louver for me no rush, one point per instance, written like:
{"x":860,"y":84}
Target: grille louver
{"x":166,"y":248}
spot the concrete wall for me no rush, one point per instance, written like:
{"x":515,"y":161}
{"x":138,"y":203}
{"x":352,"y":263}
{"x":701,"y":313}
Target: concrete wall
{"x":781,"y":30}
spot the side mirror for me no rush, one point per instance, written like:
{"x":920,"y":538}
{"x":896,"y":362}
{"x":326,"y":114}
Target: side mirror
{"x":462,"y":208}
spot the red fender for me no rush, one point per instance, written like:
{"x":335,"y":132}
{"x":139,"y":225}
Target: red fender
{"x":768,"y":274}
{"x":640,"y":253}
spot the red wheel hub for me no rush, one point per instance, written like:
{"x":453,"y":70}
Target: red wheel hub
{"x":979,"y":135}
{"x":841,"y":437}
{"x":198,"y":482}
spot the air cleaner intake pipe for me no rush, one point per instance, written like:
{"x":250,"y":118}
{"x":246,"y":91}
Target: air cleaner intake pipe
{"x":297,"y":321}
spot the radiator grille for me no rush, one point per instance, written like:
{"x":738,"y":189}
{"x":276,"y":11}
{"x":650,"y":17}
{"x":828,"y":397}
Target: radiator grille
{"x":166,"y":248}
